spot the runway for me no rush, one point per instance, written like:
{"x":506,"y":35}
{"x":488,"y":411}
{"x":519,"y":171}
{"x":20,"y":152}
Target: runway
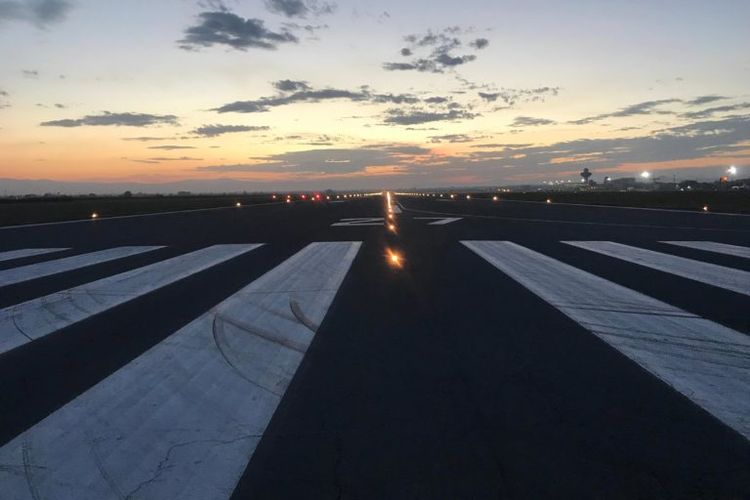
{"x":475,"y":349}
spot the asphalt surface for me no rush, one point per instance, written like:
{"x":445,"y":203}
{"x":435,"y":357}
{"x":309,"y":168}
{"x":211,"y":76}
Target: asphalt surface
{"x":439,"y":378}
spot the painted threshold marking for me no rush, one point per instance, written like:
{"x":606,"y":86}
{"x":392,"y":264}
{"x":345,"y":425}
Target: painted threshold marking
{"x":22,"y":323}
{"x":735,"y":280}
{"x":712,"y":246}
{"x":705,"y":361}
{"x":50,"y":267}
{"x":439,"y":221}
{"x":27,"y":252}
{"x":360,"y":221}
{"x":183,"y":419}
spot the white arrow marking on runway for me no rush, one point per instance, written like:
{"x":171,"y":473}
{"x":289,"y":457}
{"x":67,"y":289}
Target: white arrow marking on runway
{"x":440,"y":221}
{"x":183,"y":419}
{"x":735,"y":280}
{"x":36,"y":318}
{"x":712,"y":246}
{"x":50,"y":267}
{"x":27,"y":252}
{"x":360,"y":221}
{"x":705,"y":361}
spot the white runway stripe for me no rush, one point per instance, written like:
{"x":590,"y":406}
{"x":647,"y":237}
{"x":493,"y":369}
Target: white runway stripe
{"x":183,"y":419}
{"x":705,"y":361}
{"x":735,"y":280}
{"x":27,"y":252}
{"x":49,"y":267}
{"x":36,"y":318}
{"x":712,"y":246}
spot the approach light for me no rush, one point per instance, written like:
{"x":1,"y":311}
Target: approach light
{"x":732,"y":170}
{"x":238,"y":204}
{"x":645,"y":174}
{"x":468,"y":196}
{"x":494,"y":198}
{"x":705,"y":208}
{"x":94,"y":215}
{"x":395,"y":259}
{"x":549,"y":200}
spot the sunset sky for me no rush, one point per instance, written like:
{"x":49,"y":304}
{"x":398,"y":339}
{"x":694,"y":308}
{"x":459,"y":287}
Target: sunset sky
{"x":372,"y":94}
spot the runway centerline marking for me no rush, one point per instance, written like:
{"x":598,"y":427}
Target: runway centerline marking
{"x":705,"y":361}
{"x":50,"y":267}
{"x":27,"y":252}
{"x":22,"y":323}
{"x":183,"y":419}
{"x":712,"y":246}
{"x":728,"y":278}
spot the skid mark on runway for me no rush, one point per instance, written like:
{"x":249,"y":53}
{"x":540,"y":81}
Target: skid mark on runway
{"x":706,"y":362}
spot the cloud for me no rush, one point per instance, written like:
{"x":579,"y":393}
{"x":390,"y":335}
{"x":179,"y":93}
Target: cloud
{"x":300,"y":8}
{"x":421,"y":65}
{"x":436,"y":100}
{"x":447,"y":60}
{"x":677,"y":147}
{"x":170,"y":147}
{"x":511,"y":97}
{"x":334,"y":161}
{"x":709,"y":112}
{"x":687,"y":142}
{"x":527,"y":121}
{"x":147,"y":139}
{"x":705,"y":99}
{"x":289,"y":8}
{"x":116,"y":119}
{"x":480,"y":43}
{"x":440,"y":44}
{"x":291,"y":85}
{"x":217,"y":130}
{"x":298,"y":92}
{"x":498,"y":145}
{"x":398,"y":116}
{"x":451,"y":138}
{"x":40,"y":13}
{"x":30,"y":73}
{"x":226,"y":28}
{"x":641,"y":108}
